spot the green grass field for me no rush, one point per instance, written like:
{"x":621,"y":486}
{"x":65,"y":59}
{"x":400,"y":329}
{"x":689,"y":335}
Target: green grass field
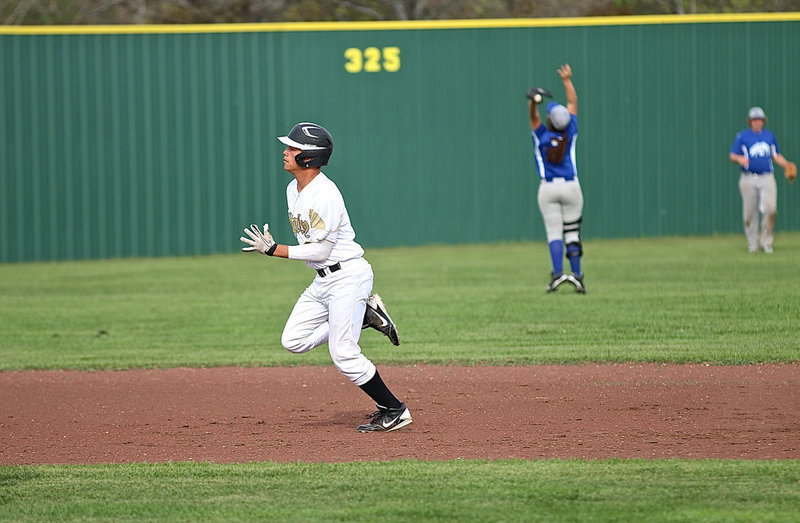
{"x":667,"y":300}
{"x":618,"y":490}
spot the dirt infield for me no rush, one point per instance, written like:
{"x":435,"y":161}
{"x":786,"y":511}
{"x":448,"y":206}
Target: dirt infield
{"x":309,"y":414}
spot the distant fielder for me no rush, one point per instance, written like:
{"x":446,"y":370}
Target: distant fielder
{"x":753,"y":150}
{"x":337,"y":304}
{"x":560,"y":197}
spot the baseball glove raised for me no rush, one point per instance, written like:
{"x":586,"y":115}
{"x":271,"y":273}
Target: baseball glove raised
{"x":536,"y":94}
{"x":790,"y":172}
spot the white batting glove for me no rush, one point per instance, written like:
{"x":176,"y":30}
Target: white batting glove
{"x":258,"y":240}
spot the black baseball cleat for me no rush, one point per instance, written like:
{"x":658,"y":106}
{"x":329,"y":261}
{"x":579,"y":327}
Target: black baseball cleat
{"x":577,"y":281}
{"x":375,"y":316}
{"x":556,"y":280}
{"x":386,"y":420}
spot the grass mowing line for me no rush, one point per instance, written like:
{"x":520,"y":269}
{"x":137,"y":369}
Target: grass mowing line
{"x":697,"y":299}
{"x":470,"y":490}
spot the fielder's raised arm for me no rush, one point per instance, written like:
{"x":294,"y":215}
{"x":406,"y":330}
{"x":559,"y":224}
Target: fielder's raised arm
{"x":565,"y":72}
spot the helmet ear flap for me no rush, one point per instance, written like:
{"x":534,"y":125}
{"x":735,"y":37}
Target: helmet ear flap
{"x":301,"y":160}
{"x":312,"y":158}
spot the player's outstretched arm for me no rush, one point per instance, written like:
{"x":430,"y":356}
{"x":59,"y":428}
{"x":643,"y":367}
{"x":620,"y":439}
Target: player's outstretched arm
{"x":281,"y":251}
{"x":565,"y":72}
{"x":316,"y":252}
{"x":533,"y":111}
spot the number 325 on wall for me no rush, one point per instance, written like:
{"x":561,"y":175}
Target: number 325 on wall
{"x":372,"y":59}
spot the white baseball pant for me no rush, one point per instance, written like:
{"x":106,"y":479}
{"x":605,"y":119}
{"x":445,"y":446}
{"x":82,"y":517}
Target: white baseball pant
{"x":331,"y":310}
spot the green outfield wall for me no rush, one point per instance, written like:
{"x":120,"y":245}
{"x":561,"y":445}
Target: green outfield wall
{"x":160,"y":140}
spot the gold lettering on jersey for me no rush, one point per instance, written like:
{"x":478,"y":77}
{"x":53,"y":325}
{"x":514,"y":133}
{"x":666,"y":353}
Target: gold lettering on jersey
{"x":299,"y":225}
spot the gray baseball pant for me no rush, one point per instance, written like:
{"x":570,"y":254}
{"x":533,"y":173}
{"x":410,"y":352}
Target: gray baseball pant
{"x":560,"y":202}
{"x":759,"y":195}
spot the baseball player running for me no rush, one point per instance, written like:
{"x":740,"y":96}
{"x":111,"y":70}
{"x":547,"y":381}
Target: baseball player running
{"x":560,"y":197}
{"x":337,"y":304}
{"x":753,"y":150}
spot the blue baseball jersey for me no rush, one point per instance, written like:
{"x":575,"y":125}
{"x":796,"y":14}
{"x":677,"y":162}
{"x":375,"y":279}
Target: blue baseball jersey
{"x":544,"y":140}
{"x":759,"y":148}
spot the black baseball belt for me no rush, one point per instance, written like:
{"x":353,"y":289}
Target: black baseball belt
{"x":329,"y":270}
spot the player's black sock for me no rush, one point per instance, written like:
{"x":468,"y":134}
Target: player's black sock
{"x":380,"y":393}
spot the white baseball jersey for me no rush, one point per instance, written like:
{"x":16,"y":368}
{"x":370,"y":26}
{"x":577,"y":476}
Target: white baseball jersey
{"x":331,"y":309}
{"x":317,"y":214}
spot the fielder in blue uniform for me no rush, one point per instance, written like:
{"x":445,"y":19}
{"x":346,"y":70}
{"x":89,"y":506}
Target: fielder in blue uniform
{"x":754,"y":150}
{"x":560,"y":197}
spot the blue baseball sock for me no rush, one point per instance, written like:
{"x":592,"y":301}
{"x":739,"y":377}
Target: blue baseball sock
{"x":557,"y":255}
{"x":574,"y":261}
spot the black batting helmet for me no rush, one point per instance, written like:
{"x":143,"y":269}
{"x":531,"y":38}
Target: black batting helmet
{"x":314,"y":142}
